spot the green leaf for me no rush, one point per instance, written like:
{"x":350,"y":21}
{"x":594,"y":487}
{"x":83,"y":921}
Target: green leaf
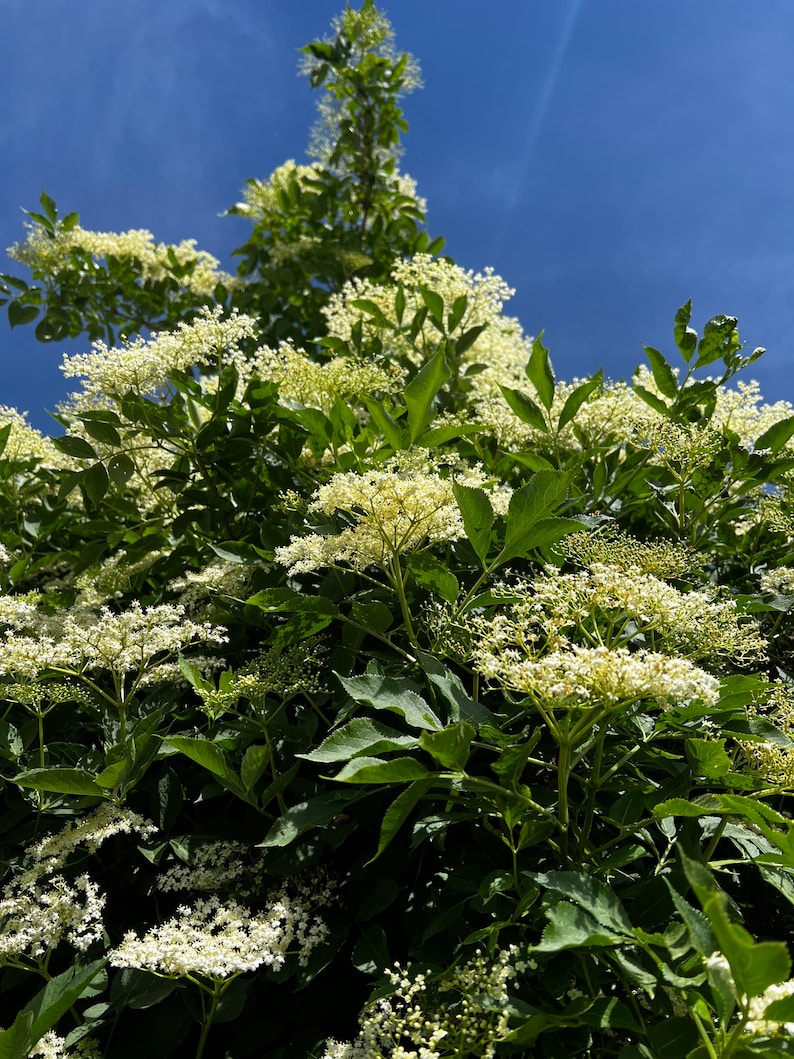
{"x":120,"y":469}
{"x":314,"y":812}
{"x":372,"y":309}
{"x":720,"y":339}
{"x":570,"y":927}
{"x":398,"y":812}
{"x":385,"y":423}
{"x":468,"y":338}
{"x":371,"y":952}
{"x":429,"y":572}
{"x":139,"y":989}
{"x":16,"y":1042}
{"x":541,"y":373}
{"x":362,"y":735}
{"x":376,"y":770}
{"x":776,"y":436}
{"x":651,"y":399}
{"x":452,"y":747}
{"x":203,"y":752}
{"x":77,"y":448}
{"x":458,"y":311}
{"x":449,"y":684}
{"x":685,"y":337}
{"x":700,"y":932}
{"x":95,"y":482}
{"x":421,"y":391}
{"x":595,"y":897}
{"x":391,"y":693}
{"x":255,"y":761}
{"x":435,"y":305}
{"x":528,"y":505}
{"x":61,"y":781}
{"x":57,"y":997}
{"x":673,"y":1038}
{"x":19,"y":314}
{"x":478,"y":517}
{"x":663,"y":374}
{"x":708,"y":757}
{"x":577,"y":397}
{"x":104,"y":433}
{"x":525,"y":408}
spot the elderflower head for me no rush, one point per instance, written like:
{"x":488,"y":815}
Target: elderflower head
{"x":143,"y":365}
{"x":579,"y":676}
{"x":214,"y":939}
{"x":36,"y":917}
{"x":51,"y":1046}
{"x":406,"y":506}
{"x":25,"y":443}
{"x":501,"y":347}
{"x":778,"y":582}
{"x":460,"y":1012}
{"x":127,"y":643}
{"x":196,"y":270}
{"x":759,"y":1023}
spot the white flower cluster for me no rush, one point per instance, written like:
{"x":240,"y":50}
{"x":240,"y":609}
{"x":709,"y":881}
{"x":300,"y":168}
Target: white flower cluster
{"x":39,"y":908}
{"x":778,"y":582}
{"x":43,"y":252}
{"x":214,"y":939}
{"x":616,"y":604}
{"x":51,"y":1046}
{"x":35,"y":918}
{"x":407,"y":505}
{"x":579,"y":676}
{"x":417,"y":1021}
{"x":220,"y":577}
{"x":217,"y":866}
{"x":24,"y":442}
{"x":501,"y":348}
{"x":131,"y":642}
{"x":758,"y":1023}
{"x":144,"y":365}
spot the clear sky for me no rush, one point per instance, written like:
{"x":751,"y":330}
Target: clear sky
{"x":609,"y":158}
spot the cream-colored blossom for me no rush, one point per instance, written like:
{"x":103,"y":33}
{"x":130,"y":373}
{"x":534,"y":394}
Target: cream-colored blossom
{"x":779,"y":581}
{"x":577,"y":676}
{"x":261,"y":197}
{"x":214,"y":939}
{"x":406,"y":506}
{"x":43,"y":252}
{"x":36,"y":917}
{"x":610,"y":604}
{"x":462,"y":1012}
{"x":51,"y":1046}
{"x":501,"y":348}
{"x":611,"y":546}
{"x":87,"y":832}
{"x":758,"y":1022}
{"x":143,"y":365}
{"x":125,"y":643}
{"x":25,"y":443}
{"x":319,"y":384}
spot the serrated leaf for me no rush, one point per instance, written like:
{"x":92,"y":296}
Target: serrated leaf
{"x":255,"y":761}
{"x":314,"y":812}
{"x":540,"y":372}
{"x":378,"y":770}
{"x":104,"y":433}
{"x":570,"y":927}
{"x":421,"y":391}
{"x":398,"y":812}
{"x":77,"y":448}
{"x":372,"y":309}
{"x":525,"y":408}
{"x":94,"y":481}
{"x":577,"y":397}
{"x":528,"y":505}
{"x":19,"y":314}
{"x":393,"y":694}
{"x":651,"y":399}
{"x":708,"y":757}
{"x":431,"y":573}
{"x":61,"y":781}
{"x":776,"y":436}
{"x":451,"y":748}
{"x":361,"y":736}
{"x":686,"y":338}
{"x":478,"y":517}
{"x":595,"y":897}
{"x":435,"y":306}
{"x":663,"y":374}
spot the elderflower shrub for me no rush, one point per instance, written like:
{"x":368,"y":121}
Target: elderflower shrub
{"x":406,"y":506}
{"x":49,"y":253}
{"x":144,"y":365}
{"x":212,"y":940}
{"x":457,"y":1013}
{"x":25,"y":443}
{"x":610,"y":546}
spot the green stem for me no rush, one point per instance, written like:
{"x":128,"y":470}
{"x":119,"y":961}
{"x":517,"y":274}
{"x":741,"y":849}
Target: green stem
{"x":563,"y":814}
{"x":215,"y":996}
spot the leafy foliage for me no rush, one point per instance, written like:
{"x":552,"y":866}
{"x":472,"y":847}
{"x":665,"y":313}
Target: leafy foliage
{"x":388,"y":690}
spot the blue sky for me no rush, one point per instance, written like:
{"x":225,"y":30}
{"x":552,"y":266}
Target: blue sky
{"x":609,"y":158}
